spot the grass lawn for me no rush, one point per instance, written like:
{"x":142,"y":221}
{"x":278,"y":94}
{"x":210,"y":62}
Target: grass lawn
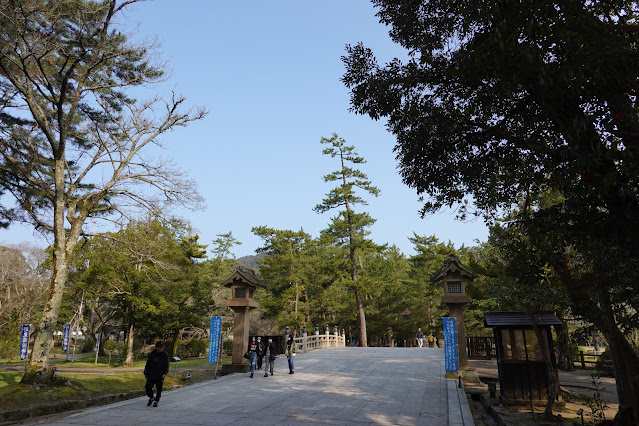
{"x":12,"y":361}
{"x":14,"y":395}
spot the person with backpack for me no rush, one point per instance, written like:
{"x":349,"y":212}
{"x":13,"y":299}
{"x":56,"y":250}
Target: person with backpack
{"x":289,"y":352}
{"x":431,"y":340}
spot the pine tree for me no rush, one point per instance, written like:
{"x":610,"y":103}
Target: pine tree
{"x":348,"y":228}
{"x":72,"y":142}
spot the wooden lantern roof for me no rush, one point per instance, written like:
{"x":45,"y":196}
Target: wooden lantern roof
{"x":452,"y":264}
{"x":243,"y":275}
{"x":519,"y":319}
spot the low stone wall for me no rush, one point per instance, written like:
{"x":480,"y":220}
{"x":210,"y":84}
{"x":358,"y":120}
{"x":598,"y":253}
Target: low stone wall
{"x":67,"y":405}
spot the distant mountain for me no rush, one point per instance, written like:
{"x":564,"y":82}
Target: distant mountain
{"x":251,"y":261}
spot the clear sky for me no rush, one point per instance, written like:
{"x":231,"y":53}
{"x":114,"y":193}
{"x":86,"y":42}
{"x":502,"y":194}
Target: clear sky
{"x":269,"y":71}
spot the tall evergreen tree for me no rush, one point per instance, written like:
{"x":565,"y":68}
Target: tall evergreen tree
{"x":391,"y":301}
{"x":348,"y":228}
{"x":499,"y":101}
{"x":287,"y":269}
{"x":428,"y":259}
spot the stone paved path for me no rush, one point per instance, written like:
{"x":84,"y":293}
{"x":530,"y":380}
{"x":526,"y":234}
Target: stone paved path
{"x":339,"y":386}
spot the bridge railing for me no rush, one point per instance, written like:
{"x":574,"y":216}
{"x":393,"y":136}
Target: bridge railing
{"x":309,"y":342}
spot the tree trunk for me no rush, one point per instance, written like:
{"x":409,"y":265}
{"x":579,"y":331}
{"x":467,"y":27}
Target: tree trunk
{"x":38,"y":370}
{"x":362,"y":319}
{"x":176,"y":342}
{"x":564,"y":361}
{"x":129,"y":346}
{"x":625,"y":363}
{"x":307,"y":313}
{"x":92,"y":325}
{"x":626,"y":368}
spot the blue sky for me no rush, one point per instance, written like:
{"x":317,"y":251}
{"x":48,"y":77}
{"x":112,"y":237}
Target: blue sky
{"x":269,"y":72}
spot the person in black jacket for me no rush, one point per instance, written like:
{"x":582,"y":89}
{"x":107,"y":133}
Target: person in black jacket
{"x":260,"y":353}
{"x":155,"y":370}
{"x":269,"y":357}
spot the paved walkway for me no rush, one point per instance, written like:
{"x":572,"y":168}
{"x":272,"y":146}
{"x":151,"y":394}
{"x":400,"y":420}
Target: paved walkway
{"x":385,"y":386}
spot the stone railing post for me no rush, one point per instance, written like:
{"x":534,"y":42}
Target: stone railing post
{"x":304,"y":342}
{"x":285,"y":339}
{"x":326,"y":337}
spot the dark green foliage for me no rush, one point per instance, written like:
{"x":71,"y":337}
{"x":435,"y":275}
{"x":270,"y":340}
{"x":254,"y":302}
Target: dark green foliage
{"x":227,"y":346}
{"x":251,"y":261}
{"x":604,"y":364}
{"x":72,"y":141}
{"x":195,"y":347}
{"x":509,"y":102}
{"x":146,"y":276}
{"x":288,"y":265}
{"x":596,"y":403}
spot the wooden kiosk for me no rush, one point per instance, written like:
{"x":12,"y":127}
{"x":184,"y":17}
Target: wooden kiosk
{"x":523,"y":372}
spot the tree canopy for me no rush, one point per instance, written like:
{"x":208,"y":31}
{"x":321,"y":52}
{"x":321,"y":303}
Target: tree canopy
{"x":72,"y":137}
{"x":501,"y":103}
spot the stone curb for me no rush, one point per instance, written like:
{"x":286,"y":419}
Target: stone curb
{"x":8,"y":417}
{"x":37,"y":410}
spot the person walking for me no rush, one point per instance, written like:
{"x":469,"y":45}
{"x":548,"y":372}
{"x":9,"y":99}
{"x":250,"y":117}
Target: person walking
{"x":290,"y":354}
{"x":431,"y":340}
{"x":252,"y":348}
{"x":269,"y":357}
{"x":155,"y":370}
{"x":260,"y":353}
{"x":419,"y":336}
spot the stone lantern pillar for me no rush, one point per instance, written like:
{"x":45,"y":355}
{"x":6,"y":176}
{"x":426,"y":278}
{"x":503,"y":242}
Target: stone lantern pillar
{"x":243,"y":283}
{"x":454,"y":276}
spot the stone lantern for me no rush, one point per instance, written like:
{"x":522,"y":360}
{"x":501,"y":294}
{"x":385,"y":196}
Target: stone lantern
{"x":454,"y":276}
{"x":243,"y":283}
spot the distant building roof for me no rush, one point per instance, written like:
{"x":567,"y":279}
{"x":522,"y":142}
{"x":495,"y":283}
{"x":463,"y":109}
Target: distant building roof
{"x":519,"y":319}
{"x":452,"y":263}
{"x":242,"y":273}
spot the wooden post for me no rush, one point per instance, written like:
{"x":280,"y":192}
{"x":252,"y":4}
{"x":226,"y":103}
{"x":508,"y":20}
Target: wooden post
{"x":583,"y":360}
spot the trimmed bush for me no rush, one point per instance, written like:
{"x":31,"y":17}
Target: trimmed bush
{"x":227,"y":347}
{"x":195,"y":347}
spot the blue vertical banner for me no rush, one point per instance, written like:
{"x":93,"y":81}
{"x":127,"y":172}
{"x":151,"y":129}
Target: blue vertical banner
{"x":450,"y":344}
{"x":24,"y":341}
{"x":214,"y":339}
{"x":66,"y":336}
{"x":97,"y":342}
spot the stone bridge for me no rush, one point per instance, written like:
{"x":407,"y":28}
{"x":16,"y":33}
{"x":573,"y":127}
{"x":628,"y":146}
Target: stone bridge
{"x":336,"y":385}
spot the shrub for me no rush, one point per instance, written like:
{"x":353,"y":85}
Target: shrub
{"x":604,"y":364}
{"x":110,"y":345}
{"x":195,"y":347}
{"x":227,"y":347}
